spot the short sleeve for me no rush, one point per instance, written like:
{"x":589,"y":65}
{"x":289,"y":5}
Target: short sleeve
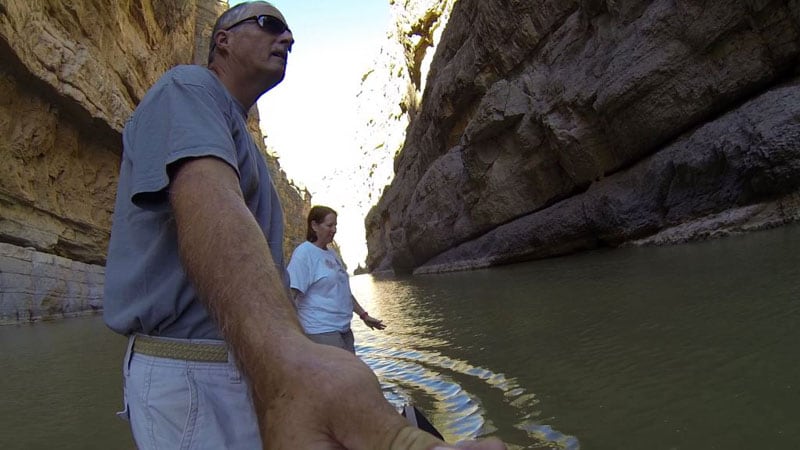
{"x":300,"y":269}
{"x":176,"y":120}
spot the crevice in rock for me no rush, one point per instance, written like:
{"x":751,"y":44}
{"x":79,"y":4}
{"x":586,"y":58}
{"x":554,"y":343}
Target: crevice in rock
{"x":99,"y":130}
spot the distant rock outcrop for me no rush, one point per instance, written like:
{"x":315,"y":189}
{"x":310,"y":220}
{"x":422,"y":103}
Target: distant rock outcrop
{"x":549,"y":127}
{"x":71,"y":73}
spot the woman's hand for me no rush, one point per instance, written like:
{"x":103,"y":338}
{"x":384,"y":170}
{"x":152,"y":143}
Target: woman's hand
{"x":373,"y":323}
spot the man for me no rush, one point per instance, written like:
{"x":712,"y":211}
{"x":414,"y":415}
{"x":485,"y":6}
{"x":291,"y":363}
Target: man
{"x":195,"y":273}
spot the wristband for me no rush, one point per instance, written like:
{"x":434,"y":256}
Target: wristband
{"x":362,"y":315}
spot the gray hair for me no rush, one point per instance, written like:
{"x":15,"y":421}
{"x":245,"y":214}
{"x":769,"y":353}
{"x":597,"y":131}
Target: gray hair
{"x":227,"y":18}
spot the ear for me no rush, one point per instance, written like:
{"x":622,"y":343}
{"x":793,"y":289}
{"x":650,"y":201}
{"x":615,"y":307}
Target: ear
{"x":222,"y":39}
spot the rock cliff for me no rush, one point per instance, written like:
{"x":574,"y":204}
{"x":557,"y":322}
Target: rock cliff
{"x":71,"y":73}
{"x":388,"y":99}
{"x":549,"y":127}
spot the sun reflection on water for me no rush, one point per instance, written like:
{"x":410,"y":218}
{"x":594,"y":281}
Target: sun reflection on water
{"x":410,"y":360}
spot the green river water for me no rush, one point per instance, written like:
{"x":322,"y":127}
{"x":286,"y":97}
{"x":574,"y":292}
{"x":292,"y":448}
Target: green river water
{"x":684,"y":347}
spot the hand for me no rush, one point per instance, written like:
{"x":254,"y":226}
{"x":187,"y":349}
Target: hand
{"x":329,"y":399}
{"x":373,"y":323}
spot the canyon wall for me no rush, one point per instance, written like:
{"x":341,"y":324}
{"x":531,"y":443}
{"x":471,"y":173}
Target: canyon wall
{"x":388,"y":98}
{"x":548,"y":127}
{"x":70,"y":75}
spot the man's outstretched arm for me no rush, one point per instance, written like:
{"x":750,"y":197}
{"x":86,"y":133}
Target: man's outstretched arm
{"x":306,"y":395}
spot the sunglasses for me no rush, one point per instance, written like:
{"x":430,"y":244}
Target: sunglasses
{"x":270,"y":24}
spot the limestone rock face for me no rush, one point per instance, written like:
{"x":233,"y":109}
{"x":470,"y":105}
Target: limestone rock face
{"x":39,"y":286}
{"x":553,"y":126}
{"x":71,"y":73}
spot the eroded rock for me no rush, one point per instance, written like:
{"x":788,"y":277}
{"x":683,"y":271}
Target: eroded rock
{"x":543,"y":102}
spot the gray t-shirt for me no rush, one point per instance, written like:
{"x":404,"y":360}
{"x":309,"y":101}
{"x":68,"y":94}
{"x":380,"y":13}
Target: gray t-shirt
{"x":188,"y":113}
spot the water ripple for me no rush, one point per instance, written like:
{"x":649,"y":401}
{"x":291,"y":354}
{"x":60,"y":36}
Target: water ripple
{"x":428,"y":377}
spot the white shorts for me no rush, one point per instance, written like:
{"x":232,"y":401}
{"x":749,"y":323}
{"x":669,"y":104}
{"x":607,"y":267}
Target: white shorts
{"x":179,"y":404}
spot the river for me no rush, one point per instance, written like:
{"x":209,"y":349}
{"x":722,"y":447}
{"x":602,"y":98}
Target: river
{"x":684,"y":347}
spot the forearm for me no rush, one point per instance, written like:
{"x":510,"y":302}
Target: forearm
{"x":227,"y":258}
{"x":357,"y":308}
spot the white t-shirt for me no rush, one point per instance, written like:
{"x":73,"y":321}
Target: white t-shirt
{"x":326,"y":303}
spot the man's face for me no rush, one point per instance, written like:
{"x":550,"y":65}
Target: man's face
{"x":261,"y":49}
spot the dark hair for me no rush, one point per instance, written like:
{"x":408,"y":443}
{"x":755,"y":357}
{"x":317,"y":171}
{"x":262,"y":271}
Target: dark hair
{"x":317,"y":214}
{"x":230,"y":16}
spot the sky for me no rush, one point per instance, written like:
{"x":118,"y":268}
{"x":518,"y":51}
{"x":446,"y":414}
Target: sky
{"x":310,"y":118}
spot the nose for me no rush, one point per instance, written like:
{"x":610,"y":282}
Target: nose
{"x":286,"y":38}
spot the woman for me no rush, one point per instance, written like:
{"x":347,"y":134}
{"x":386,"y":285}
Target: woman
{"x":321,"y":287}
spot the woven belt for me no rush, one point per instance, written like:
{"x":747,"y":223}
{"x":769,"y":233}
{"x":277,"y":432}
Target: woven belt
{"x":189,"y":351}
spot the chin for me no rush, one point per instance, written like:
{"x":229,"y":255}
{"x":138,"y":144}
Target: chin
{"x":275,"y":79}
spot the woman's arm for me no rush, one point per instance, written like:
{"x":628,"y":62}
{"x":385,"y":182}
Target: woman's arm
{"x":369,"y":321}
